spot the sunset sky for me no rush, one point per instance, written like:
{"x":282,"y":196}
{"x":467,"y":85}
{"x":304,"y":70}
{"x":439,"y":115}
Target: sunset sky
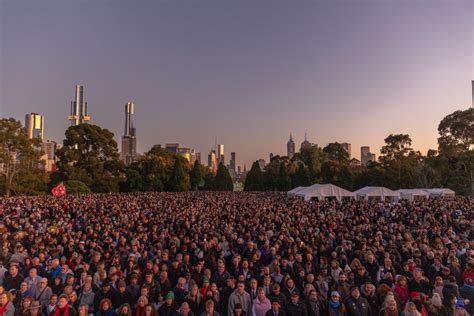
{"x":247,"y":72}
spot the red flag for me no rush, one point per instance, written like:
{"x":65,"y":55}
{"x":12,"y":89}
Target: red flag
{"x":59,"y":190}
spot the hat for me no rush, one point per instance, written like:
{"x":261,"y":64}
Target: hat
{"x":415,"y":294}
{"x":33,"y":305}
{"x":436,"y":300}
{"x":460,"y":303}
{"x":169,"y":295}
{"x":205,"y":280}
{"x":335,"y":293}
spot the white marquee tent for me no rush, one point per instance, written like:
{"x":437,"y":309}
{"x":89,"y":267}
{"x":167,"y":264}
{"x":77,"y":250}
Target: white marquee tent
{"x":440,"y":192}
{"x":295,"y":190}
{"x":376,"y":192}
{"x":411,"y":194}
{"x":322,"y":191}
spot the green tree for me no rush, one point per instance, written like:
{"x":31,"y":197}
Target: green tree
{"x":76,"y":187}
{"x":223,"y":180}
{"x":336,"y":152}
{"x":313,"y":157}
{"x":18,"y":154}
{"x":456,"y":132}
{"x":196,"y":178}
{"x":179,"y":180}
{"x":90,"y":155}
{"x":301,"y":177}
{"x":254,"y":178}
{"x":283,"y":181}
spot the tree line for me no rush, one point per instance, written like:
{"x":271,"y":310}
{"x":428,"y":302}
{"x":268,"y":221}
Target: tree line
{"x":89,"y":162}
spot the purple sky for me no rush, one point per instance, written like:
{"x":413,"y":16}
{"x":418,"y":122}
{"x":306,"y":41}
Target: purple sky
{"x":247,"y":72}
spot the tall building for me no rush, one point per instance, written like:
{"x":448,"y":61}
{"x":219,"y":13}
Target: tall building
{"x":290,"y":148}
{"x":34,"y":125}
{"x":220,"y":154}
{"x":305,"y":143}
{"x":366,"y":155}
{"x":212,"y":161}
{"x":232,"y":162}
{"x":129,"y":139}
{"x":172,"y":147}
{"x":347,"y":147}
{"x":78,"y":114}
{"x":49,"y":148}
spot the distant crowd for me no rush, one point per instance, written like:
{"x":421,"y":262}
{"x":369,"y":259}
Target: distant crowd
{"x":236,"y":254}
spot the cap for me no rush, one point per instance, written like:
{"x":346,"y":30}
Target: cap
{"x":169,"y":295}
{"x":335,"y":293}
{"x":460,"y":303}
{"x":205,"y":280}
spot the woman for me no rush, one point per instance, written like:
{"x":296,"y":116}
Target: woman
{"x":410,"y":310}
{"x":401,"y":290}
{"x":261,"y":304}
{"x":390,"y":307}
{"x":83,"y":310}
{"x":210,"y":309}
{"x":124,"y":310}
{"x":335,"y":305}
{"x":150,"y":310}
{"x":140,"y":308}
{"x":195,"y":300}
{"x":25,"y":304}
{"x":438,"y":286}
{"x":238,"y":311}
{"x":105,"y":308}
{"x":34,"y":309}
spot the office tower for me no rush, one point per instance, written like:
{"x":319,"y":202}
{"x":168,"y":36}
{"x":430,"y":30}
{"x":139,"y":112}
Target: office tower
{"x":129,"y":139}
{"x":305,"y":143}
{"x":34,"y":125}
{"x":79,"y":108}
{"x":49,"y":148}
{"x":290,"y":148}
{"x":212,"y":161}
{"x":366,"y":155}
{"x":220,"y":154}
{"x":172,"y":147}
{"x":232,"y":161}
{"x":347,"y":147}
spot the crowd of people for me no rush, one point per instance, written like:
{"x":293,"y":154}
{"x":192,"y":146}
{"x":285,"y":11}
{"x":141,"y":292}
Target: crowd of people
{"x":236,"y":254}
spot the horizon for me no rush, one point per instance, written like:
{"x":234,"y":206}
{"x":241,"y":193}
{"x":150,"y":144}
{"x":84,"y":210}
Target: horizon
{"x":241,"y":70}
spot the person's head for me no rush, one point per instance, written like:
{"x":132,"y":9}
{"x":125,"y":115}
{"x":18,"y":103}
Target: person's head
{"x":335,"y":297}
{"x":125,"y":309}
{"x":390,"y":304}
{"x":184,"y":310}
{"x":240,"y":288}
{"x":53,"y":300}
{"x":23,"y":287}
{"x":149,"y":309}
{"x":276,"y":305}
{"x":410,"y":309}
{"x":295,"y":298}
{"x":13,"y":270}
{"x":32,"y":273}
{"x":62,"y":301}
{"x":27,"y":302}
{"x":238,"y":309}
{"x":313,"y":295}
{"x":142,"y":301}
{"x":34,"y":308}
{"x":253,"y":284}
{"x":3,"y":299}
{"x":276,"y":289}
{"x":261,"y":294}
{"x":169,"y":298}
{"x":342,"y":278}
{"x":105,"y":304}
{"x":83,"y":309}
{"x":355,"y":293}
{"x":210,"y":306}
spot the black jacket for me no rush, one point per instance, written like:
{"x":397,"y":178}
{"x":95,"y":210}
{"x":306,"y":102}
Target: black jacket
{"x":358,"y":307}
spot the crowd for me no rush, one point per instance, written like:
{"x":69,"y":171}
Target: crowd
{"x":263,"y":254}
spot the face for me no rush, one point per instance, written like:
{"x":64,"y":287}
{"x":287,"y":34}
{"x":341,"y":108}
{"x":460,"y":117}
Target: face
{"x":355,"y":293}
{"x":334,"y":298}
{"x":392,"y":305}
{"x":184,"y":308}
{"x":275,"y":306}
{"x":295,"y":299}
{"x":241,"y":288}
{"x":62,"y":302}
{"x":3,"y":299}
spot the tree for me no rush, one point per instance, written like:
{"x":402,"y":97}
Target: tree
{"x":76,"y":187}
{"x":336,"y":152}
{"x":456,"y":132}
{"x":196,"y":178}
{"x":301,"y":177}
{"x":283,"y":181}
{"x":223,"y":180}
{"x":90,"y":155}
{"x":179,"y":180}
{"x":254,"y":178}
{"x":18,"y":153}
{"x":313,"y":158}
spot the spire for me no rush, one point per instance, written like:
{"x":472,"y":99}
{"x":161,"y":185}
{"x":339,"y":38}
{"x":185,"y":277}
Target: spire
{"x":305,"y":135}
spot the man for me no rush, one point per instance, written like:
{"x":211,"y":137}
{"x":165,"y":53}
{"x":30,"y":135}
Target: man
{"x":357,"y":305}
{"x":419,"y":283}
{"x":368,"y":292}
{"x":179,"y":291}
{"x":153,"y":286}
{"x":276,"y":294}
{"x":276,"y":309}
{"x":342,"y":286}
{"x":106,"y":292}
{"x":33,"y":281}
{"x":6,"y":307}
{"x":240,"y":296}
{"x":13,"y":278}
{"x":184,"y":310}
{"x":48,"y":309}
{"x":295,"y":307}
{"x":467,"y":292}
{"x":43,"y":292}
{"x":63,"y":309}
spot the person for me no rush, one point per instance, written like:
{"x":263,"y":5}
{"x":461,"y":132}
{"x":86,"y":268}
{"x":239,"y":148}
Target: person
{"x":169,"y":307}
{"x":6,"y":307}
{"x":390,"y":307}
{"x":105,"y":308}
{"x":62,"y":308}
{"x":87,"y":296}
{"x":141,"y":304}
{"x":401,"y":290}
{"x":184,"y":310}
{"x":150,"y":310}
{"x":195,"y":300}
{"x":335,"y":305}
{"x":124,"y":310}
{"x":410,"y":310}
{"x":238,"y":310}
{"x":276,"y":309}
{"x":295,"y":307}
{"x":12,"y":278}
{"x":240,"y":296}
{"x":261,"y":304}
{"x":210,"y":309}
{"x":33,"y":281}
{"x":314,"y":305}
{"x":356,"y":304}
{"x":467,"y":292}
{"x":83,"y":310}
{"x":23,"y":308}
{"x":48,"y":309}
{"x":34,"y":309}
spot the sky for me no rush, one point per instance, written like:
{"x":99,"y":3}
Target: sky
{"x":247,"y":73}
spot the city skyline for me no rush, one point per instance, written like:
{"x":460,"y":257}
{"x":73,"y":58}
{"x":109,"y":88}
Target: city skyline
{"x":318,"y":67}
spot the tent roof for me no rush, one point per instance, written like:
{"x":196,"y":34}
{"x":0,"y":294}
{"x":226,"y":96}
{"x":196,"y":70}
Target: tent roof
{"x":414,"y":192}
{"x":293,"y":191}
{"x":324,"y":190}
{"x":376,"y":191}
{"x":439,"y":191}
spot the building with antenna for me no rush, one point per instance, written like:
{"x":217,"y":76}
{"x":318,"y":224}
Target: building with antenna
{"x":78,"y":114}
{"x":129,"y":139}
{"x":290,"y":147}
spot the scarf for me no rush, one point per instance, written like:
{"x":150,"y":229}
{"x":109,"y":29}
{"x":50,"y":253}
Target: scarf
{"x":3,"y":309}
{"x":139,"y":312}
{"x":61,"y":312}
{"x":332,"y":304}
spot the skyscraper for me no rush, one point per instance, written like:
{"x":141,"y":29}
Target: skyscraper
{"x":220,"y":154}
{"x":212,"y":161}
{"x":34,"y":125}
{"x":79,"y":108}
{"x":366,"y":155}
{"x":348,"y":148}
{"x":290,"y":148}
{"x":129,"y":140}
{"x":232,"y":162}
